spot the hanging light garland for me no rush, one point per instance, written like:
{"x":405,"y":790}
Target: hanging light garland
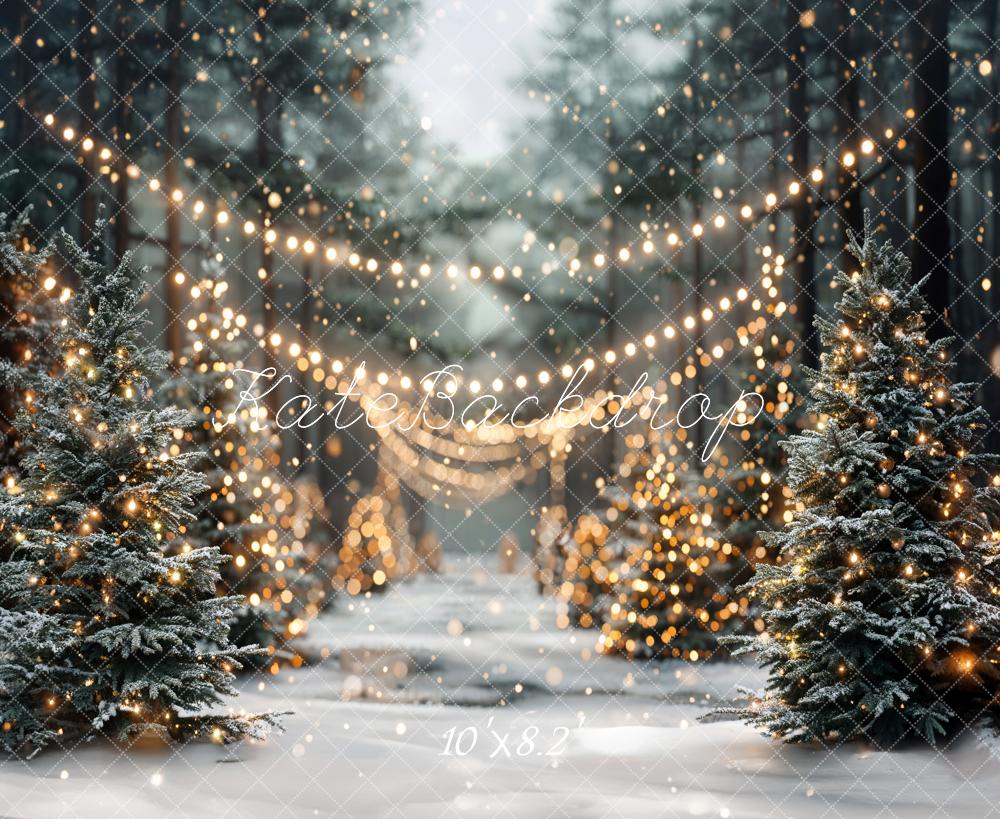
{"x":310,"y":245}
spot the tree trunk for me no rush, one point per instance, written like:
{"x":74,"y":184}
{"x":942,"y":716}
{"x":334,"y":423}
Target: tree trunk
{"x":23,"y":74}
{"x":802,"y":252}
{"x":261,"y":96}
{"x":86,"y":101}
{"x":614,"y":278}
{"x":743,"y":274}
{"x":932,"y":171}
{"x":612,"y":296}
{"x":848,"y":112}
{"x":993,"y":54}
{"x":991,"y":390}
{"x":696,"y":432}
{"x":123,"y":126}
{"x":172,"y":118}
{"x":309,"y":437}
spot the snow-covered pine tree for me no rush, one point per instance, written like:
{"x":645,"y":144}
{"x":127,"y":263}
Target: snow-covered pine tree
{"x":104,"y":631}
{"x":268,"y":573}
{"x":673,"y":589}
{"x":26,"y":309}
{"x":882,"y":620}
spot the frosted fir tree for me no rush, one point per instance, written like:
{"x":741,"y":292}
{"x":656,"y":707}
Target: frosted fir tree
{"x":267,"y":567}
{"x":882,"y":620}
{"x":104,"y":631}
{"x":27,"y":305}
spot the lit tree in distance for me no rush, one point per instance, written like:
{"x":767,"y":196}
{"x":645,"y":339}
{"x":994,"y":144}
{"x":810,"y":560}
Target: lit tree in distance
{"x":104,"y":631}
{"x":673,"y":591}
{"x":235,"y":512}
{"x":376,"y":546}
{"x":585,"y":573}
{"x":882,"y":620}
{"x":756,"y":480}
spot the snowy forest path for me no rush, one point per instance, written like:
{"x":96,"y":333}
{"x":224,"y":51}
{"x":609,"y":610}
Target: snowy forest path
{"x":403,"y":719}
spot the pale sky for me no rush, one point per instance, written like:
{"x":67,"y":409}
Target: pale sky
{"x":463,"y":57}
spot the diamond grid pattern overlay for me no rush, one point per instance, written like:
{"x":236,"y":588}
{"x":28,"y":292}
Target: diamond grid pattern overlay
{"x":398,"y":781}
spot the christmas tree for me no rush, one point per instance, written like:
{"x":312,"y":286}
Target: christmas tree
{"x":26,"y":320}
{"x":104,"y":631}
{"x":757,"y":479}
{"x":673,"y":593}
{"x":585,"y":572}
{"x":881,"y":619}
{"x":267,"y":565}
{"x":376,"y":547}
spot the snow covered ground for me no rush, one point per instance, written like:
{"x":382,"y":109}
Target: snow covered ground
{"x":456,"y":696}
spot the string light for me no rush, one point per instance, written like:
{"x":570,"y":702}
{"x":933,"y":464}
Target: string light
{"x":293,"y":243}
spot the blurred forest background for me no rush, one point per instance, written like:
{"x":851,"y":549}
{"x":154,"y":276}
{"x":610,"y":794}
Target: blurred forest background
{"x":514,"y":186}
